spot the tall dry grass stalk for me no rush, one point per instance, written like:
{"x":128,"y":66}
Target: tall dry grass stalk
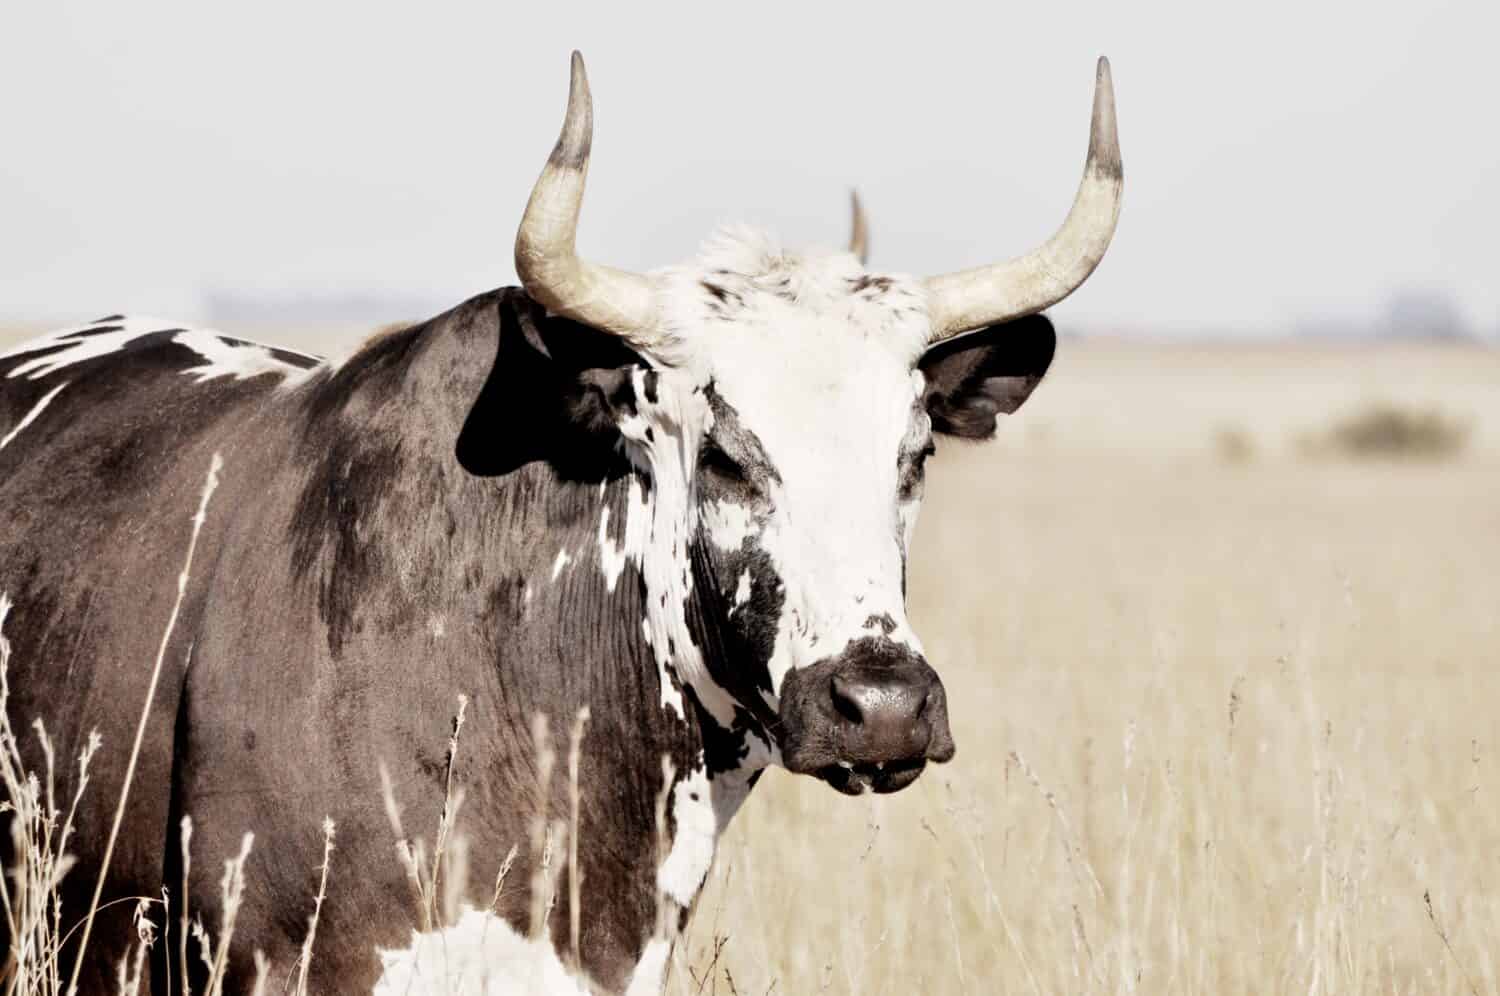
{"x":185,"y":830}
{"x":541,"y":836}
{"x":437,"y":886}
{"x":232,"y":888}
{"x":304,"y":959}
{"x":575,"y":872}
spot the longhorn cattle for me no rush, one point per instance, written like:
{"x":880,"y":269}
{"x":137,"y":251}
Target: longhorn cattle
{"x":682,"y":499}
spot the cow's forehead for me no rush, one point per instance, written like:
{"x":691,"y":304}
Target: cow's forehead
{"x":772,"y":329}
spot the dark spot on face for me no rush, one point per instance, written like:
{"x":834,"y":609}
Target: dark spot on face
{"x":884,"y":621}
{"x":732,"y":463}
{"x":723,"y":301}
{"x":912,"y":471}
{"x":649,"y":380}
{"x":782,"y":288}
{"x":248,"y":739}
{"x":867,"y":282}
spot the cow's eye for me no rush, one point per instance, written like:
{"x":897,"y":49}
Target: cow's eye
{"x":721,"y":465}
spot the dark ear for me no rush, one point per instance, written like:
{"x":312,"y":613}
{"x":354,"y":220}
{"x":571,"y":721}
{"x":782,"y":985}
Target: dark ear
{"x":977,"y":376}
{"x":556,"y":392}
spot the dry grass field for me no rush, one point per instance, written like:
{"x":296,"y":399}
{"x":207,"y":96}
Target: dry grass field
{"x":1225,"y":698}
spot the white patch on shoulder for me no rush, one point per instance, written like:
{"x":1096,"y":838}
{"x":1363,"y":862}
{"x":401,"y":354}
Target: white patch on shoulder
{"x":240,"y":360}
{"x":30,"y":416}
{"x":479,"y":955}
{"x":651,"y":970}
{"x":223,"y":356}
{"x":613,"y":557}
{"x":562,"y":561}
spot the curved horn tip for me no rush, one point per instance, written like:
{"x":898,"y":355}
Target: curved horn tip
{"x":859,"y":228}
{"x":1104,"y":138}
{"x":573,"y":145}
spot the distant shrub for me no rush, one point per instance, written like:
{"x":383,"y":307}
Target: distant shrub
{"x":1385,"y":429}
{"x":1234,"y":444}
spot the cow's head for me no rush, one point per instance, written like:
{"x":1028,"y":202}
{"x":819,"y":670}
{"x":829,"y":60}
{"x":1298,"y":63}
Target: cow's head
{"x":781,"y":413}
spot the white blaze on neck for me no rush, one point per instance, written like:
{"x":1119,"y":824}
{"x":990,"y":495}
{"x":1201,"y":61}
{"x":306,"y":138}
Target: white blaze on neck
{"x":701,"y":810}
{"x":663,"y":438}
{"x":694,"y":840}
{"x":561,"y":562}
{"x":614,"y":556}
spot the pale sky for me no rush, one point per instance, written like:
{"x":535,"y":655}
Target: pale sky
{"x":1282,"y":159}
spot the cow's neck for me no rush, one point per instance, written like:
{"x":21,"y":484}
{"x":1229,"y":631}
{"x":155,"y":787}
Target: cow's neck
{"x":590,"y":597}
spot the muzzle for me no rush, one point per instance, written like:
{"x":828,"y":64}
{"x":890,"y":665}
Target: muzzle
{"x":869,"y":718}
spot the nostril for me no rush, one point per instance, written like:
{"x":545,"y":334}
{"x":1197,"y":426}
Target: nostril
{"x":926,"y":694}
{"x":845,"y":696}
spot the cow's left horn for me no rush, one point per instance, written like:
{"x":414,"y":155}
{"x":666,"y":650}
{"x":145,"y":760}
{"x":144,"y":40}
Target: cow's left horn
{"x":988,"y":295}
{"x":546,"y":258}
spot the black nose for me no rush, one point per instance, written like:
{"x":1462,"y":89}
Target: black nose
{"x":886,"y":713}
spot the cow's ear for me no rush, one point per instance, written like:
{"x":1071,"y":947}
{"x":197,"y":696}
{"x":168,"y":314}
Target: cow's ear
{"x":556,"y":392}
{"x":597,"y":398}
{"x":974,"y":378}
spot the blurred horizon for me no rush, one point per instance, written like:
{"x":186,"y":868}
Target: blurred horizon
{"x":1291,"y":172}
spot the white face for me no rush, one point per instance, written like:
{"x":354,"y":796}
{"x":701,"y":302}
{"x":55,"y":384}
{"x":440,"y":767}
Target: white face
{"x":784,"y":433}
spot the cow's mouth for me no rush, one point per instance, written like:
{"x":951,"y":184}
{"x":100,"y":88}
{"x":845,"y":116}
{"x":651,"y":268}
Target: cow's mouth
{"x":879,"y":776}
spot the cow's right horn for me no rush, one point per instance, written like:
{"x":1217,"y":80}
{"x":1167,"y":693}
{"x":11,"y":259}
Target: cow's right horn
{"x":1000,"y":292}
{"x":546,"y":258}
